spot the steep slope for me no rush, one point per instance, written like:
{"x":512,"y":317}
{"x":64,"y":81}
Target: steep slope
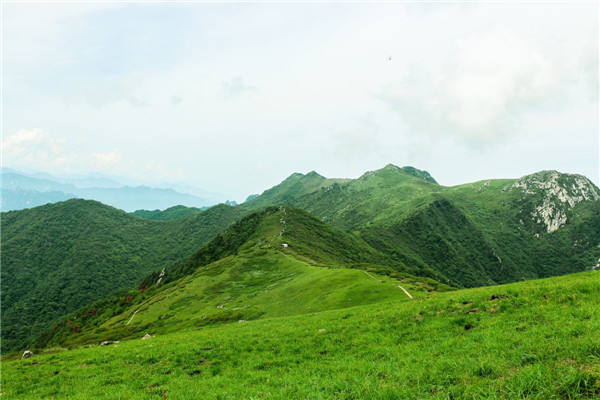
{"x":290,"y":229}
{"x":540,"y":225}
{"x":59,"y":257}
{"x":441,"y":237}
{"x":277,"y":262}
{"x":534,"y":340}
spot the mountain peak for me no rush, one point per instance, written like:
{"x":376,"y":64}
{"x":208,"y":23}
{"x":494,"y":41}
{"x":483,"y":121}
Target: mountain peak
{"x":393,"y":169}
{"x":314,"y":174}
{"x":567,"y":188}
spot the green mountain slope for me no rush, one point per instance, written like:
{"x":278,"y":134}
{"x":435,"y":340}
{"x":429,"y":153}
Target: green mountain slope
{"x":59,"y":257}
{"x":280,"y":261}
{"x":535,"y":340}
{"x":295,"y":186}
{"x":487,"y":232}
{"x":372,"y":199}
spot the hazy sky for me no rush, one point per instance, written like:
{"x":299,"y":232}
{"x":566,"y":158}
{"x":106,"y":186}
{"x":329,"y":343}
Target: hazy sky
{"x":235,"y":97}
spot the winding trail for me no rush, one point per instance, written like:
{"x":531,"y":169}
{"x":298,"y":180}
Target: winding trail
{"x":404,"y":290}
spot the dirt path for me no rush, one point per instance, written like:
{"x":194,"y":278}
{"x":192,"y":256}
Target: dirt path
{"x":132,"y":317}
{"x":369,"y":275}
{"x":404,"y":290}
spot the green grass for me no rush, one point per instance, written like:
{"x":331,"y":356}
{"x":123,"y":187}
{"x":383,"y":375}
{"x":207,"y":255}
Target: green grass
{"x":59,"y":258}
{"x":535,"y":340}
{"x":256,"y":284}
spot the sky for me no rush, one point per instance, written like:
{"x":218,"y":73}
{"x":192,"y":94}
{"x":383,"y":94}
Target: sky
{"x":235,"y":97}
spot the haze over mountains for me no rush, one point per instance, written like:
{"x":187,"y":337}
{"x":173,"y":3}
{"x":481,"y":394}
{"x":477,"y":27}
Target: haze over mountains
{"x":60,"y":257}
{"x":21,"y":190}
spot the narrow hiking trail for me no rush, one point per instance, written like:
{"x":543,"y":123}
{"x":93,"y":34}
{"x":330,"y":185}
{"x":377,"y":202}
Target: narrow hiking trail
{"x":404,"y":290}
{"x":132,"y":317}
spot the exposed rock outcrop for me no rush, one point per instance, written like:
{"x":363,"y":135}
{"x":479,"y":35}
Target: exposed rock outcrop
{"x":559,"y":193}
{"x":27,"y":354}
{"x":107,"y":342}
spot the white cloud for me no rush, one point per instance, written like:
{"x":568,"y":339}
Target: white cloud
{"x":37,"y":149}
{"x":590,"y":68}
{"x":480,"y":92}
{"x":33,"y":148}
{"x":105,"y":161}
{"x":102,"y":92}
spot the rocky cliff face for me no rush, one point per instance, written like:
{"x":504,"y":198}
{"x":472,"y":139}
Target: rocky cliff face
{"x":555,"y":194}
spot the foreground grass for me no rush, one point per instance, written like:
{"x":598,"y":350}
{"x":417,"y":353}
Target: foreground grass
{"x":535,"y":340}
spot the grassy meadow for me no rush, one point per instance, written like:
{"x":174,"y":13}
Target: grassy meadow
{"x":536,"y":340}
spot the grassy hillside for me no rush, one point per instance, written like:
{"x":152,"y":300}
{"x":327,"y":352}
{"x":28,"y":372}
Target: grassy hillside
{"x":372,"y":199}
{"x":535,"y":340}
{"x":60,"y":257}
{"x":259,"y":283}
{"x":249,"y":273}
{"x":295,"y":186}
{"x":305,"y":237}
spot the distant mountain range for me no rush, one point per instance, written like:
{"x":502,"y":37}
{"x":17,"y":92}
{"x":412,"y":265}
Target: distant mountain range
{"x":21,"y":191}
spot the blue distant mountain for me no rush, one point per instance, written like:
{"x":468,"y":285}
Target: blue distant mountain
{"x":22,"y":191}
